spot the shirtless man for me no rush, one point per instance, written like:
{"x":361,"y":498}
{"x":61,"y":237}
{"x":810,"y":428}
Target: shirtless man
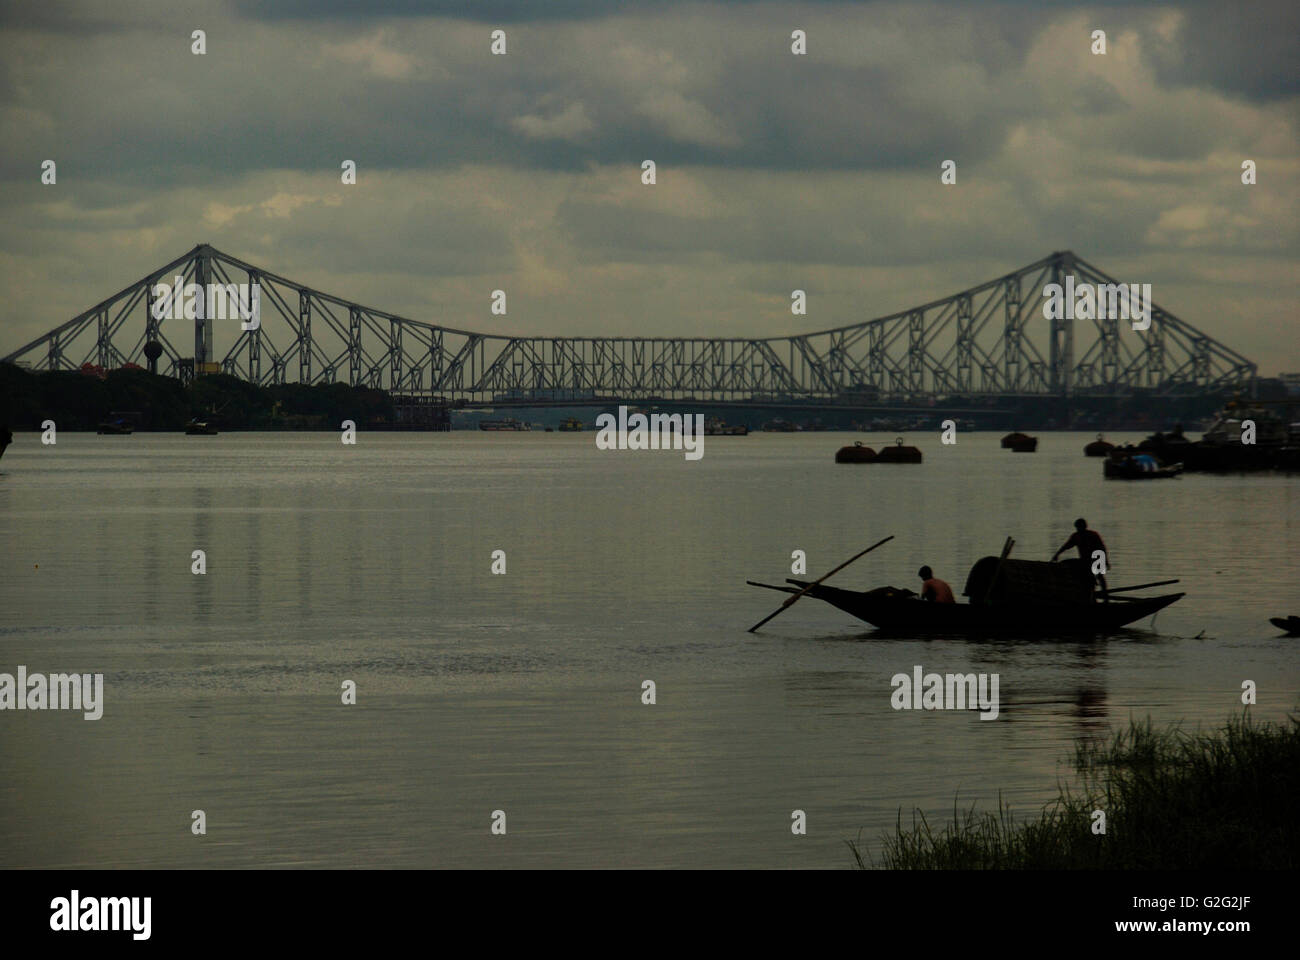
{"x":934,"y":589}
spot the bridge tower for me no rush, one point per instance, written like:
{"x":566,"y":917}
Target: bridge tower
{"x":203,"y":352}
{"x":1062,"y":331}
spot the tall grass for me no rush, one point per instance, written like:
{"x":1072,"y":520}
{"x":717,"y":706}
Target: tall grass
{"x":1227,"y":798}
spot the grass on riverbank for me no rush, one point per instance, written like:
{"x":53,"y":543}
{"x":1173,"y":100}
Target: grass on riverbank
{"x":1219,"y":799}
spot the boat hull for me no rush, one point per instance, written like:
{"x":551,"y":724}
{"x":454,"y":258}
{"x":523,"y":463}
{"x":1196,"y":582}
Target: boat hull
{"x":1123,"y":470}
{"x":892,"y":611}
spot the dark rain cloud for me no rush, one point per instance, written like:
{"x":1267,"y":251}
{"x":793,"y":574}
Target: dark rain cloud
{"x":1251,"y":50}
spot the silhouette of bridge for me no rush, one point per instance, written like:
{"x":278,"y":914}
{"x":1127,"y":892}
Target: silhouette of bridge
{"x":991,"y":340}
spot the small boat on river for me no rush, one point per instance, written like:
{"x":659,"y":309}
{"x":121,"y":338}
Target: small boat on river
{"x":1006,"y":596}
{"x":507,"y":425}
{"x":1126,"y":465}
{"x":898,"y":453}
{"x":1099,"y":447}
{"x":114,"y":428}
{"x":1290,"y":624}
{"x":857,"y":453}
{"x":717,"y":427}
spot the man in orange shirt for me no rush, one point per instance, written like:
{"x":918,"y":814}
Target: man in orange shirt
{"x":934,"y":589}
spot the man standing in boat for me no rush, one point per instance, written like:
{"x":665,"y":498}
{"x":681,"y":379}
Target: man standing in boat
{"x":1088,"y":542}
{"x":934,"y":589}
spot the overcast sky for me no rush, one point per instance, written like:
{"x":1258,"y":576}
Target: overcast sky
{"x":775,"y":171}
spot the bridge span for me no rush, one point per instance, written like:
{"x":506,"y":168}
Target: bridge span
{"x":988,"y":341}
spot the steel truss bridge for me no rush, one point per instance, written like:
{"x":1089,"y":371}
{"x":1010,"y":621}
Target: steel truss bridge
{"x":990,"y":340}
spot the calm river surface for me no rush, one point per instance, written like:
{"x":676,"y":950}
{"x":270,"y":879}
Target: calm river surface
{"x":522,"y":693}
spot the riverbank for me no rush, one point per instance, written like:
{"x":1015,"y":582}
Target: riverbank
{"x":1172,"y":800}
{"x":77,"y":400}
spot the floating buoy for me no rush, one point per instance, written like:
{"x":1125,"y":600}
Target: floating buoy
{"x":1098,"y":448}
{"x":855,"y":454}
{"x":898,"y":453}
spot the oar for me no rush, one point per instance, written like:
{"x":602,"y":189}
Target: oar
{"x":815,"y":582}
{"x":769,"y":586}
{"x":1140,"y":586}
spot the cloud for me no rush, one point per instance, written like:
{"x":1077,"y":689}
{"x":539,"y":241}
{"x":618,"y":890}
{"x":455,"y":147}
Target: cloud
{"x":569,"y":124}
{"x":774,"y":171}
{"x":280,"y":205}
{"x":373,"y":54}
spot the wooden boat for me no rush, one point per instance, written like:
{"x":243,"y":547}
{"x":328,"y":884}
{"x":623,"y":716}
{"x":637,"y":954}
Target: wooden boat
{"x":898,"y":453}
{"x":1007,"y":596}
{"x":897,"y":611}
{"x":855,"y":454}
{"x":1289,"y":624}
{"x":1011,"y":439}
{"x":1138,"y":466}
{"x":1099,"y":447}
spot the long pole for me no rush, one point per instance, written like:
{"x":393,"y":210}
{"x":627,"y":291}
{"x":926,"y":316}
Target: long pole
{"x":1139,"y":586}
{"x":815,"y":582}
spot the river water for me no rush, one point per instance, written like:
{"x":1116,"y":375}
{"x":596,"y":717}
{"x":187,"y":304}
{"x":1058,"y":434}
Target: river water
{"x":522,"y":692}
